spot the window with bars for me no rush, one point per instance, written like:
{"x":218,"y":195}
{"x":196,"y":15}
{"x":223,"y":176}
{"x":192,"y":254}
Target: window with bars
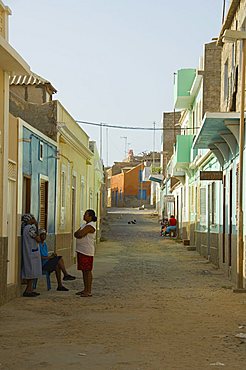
{"x":43,"y":204}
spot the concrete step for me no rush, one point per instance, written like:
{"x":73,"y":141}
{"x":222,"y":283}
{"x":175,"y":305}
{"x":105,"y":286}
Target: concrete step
{"x":191,"y":248}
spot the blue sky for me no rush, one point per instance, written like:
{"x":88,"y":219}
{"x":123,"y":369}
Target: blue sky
{"x":113,"y":60}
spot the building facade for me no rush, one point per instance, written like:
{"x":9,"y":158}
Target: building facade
{"x":196,"y":91}
{"x":205,"y":162}
{"x":130,"y":189}
{"x":10,"y":62}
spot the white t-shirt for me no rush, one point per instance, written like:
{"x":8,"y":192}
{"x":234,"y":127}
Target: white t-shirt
{"x":86,"y":245}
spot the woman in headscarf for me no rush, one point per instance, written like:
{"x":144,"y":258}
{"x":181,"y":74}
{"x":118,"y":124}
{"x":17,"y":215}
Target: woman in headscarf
{"x":31,"y":258}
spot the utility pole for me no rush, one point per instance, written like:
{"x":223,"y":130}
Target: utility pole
{"x":101,"y":140}
{"x":107,"y":145}
{"x":223,"y":11}
{"x":125,"y":138}
{"x":153,"y":165}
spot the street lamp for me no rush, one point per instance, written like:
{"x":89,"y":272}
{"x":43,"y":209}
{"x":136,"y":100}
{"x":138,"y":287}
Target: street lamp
{"x":232,"y":36}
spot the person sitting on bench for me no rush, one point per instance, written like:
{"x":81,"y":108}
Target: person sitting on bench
{"x":53,"y":263}
{"x":172,"y":226}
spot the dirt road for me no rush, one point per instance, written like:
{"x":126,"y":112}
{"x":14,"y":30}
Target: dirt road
{"x":155,"y":306}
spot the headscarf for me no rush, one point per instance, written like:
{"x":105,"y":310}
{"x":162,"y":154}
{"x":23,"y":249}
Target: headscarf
{"x":25,"y":219}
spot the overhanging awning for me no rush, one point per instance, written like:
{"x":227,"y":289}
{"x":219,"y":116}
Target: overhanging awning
{"x":219,"y":133}
{"x":156,"y":178}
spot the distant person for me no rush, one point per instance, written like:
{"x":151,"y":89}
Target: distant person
{"x":31,"y":260}
{"x":172,"y":225}
{"x":164,"y":225}
{"x":53,"y":263}
{"x":85,"y":248}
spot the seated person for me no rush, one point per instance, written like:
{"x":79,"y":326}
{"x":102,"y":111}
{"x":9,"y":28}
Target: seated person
{"x":53,"y":262}
{"x":172,"y":225}
{"x":164,"y":225}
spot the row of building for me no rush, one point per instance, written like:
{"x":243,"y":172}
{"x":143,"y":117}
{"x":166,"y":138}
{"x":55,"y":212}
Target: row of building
{"x":128,"y":182}
{"x":48,"y":165}
{"x":201,"y":150}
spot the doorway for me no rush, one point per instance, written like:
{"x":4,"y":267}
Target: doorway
{"x":209,"y":208}
{"x":224,"y":219}
{"x":230,"y":220}
{"x":73,"y":214}
{"x":26,"y":195}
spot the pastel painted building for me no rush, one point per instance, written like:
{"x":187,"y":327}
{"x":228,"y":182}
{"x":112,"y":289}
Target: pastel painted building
{"x":10,"y":63}
{"x":37,"y":177}
{"x":219,"y":133}
{"x":128,"y":189}
{"x":73,"y":195}
{"x":205,"y":163}
{"x":79,"y":170}
{"x":197,"y":224}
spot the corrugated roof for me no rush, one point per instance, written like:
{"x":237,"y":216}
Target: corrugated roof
{"x":33,"y":79}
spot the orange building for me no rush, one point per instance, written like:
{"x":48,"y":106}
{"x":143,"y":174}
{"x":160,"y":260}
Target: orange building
{"x":128,"y":189}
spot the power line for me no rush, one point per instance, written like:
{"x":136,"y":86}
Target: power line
{"x":135,"y":127}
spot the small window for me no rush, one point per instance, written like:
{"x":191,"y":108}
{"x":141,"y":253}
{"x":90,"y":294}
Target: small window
{"x":41,"y":151}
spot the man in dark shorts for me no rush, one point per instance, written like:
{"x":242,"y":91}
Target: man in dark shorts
{"x":53,"y":263}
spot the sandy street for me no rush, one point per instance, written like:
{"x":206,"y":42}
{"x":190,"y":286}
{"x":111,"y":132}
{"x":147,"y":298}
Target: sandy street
{"x":155,"y":306}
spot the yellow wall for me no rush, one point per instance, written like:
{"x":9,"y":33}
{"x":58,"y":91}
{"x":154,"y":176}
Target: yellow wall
{"x":72,"y":180}
{"x":1,"y":142}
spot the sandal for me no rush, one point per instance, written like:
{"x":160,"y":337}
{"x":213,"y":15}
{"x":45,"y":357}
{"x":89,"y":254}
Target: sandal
{"x":79,"y":293}
{"x":30,"y":294}
{"x":85,"y":295}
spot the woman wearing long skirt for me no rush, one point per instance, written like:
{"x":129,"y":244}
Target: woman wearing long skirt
{"x":31,"y":258}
